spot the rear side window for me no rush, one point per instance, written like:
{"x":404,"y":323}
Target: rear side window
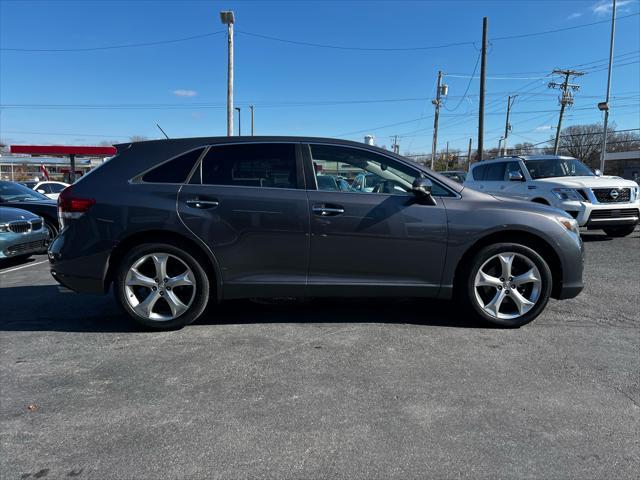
{"x":495,"y":172}
{"x":267,"y":165}
{"x":174,"y":171}
{"x":478,"y":172}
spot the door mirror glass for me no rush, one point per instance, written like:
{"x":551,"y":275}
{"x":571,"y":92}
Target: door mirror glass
{"x":598,"y":172}
{"x":422,"y":187}
{"x":515,"y":177}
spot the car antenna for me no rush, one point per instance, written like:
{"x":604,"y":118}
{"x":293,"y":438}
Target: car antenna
{"x":163,"y":132}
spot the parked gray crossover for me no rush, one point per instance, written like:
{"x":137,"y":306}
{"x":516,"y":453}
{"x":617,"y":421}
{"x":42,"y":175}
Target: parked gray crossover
{"x":174,"y":224}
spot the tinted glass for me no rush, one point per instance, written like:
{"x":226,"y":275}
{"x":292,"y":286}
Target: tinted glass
{"x":478,"y":172}
{"x":270,"y":165}
{"x":495,"y":172}
{"x":46,"y":188}
{"x":371,"y":173}
{"x":56,"y":187}
{"x":326,"y":182}
{"x":558,"y":168}
{"x":512,"y":167}
{"x":14,"y":192}
{"x":174,"y":171}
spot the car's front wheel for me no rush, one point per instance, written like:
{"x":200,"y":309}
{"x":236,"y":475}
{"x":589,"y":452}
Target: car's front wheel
{"x":508,"y":284}
{"x":619,"y":231}
{"x":161,"y":286}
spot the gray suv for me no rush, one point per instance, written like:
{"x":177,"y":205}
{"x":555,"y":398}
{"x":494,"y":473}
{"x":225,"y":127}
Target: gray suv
{"x":175,"y":224}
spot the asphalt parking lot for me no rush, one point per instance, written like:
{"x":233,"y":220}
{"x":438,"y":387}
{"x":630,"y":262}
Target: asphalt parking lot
{"x":324,"y":389}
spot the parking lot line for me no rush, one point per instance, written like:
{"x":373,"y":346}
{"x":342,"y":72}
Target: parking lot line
{"x":23,"y":266}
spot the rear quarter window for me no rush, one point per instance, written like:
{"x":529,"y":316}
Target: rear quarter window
{"x":174,"y":171}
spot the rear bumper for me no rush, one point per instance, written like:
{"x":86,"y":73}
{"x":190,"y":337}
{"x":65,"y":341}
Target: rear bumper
{"x":79,"y":266}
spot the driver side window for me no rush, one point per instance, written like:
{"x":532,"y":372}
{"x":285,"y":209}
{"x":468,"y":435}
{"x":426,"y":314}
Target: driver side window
{"x":345,"y":169}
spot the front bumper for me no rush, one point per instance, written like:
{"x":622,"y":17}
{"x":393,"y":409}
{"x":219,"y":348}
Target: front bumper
{"x":16,"y":244}
{"x":600,"y":215}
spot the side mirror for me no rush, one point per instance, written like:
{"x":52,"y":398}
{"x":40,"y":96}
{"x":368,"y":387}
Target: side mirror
{"x":422,"y":188}
{"x":598,"y":172}
{"x":40,"y":190}
{"x":515,"y":177}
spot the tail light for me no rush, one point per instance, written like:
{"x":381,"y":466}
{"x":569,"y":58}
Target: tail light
{"x":72,"y":207}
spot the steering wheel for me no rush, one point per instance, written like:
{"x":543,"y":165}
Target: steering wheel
{"x":385,"y":186}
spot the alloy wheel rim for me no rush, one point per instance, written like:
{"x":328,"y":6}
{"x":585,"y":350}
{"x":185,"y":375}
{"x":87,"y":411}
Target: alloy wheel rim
{"x":507,"y":285}
{"x":160,"y":287}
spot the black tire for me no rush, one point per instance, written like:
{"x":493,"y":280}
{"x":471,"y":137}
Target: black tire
{"x":201,"y":280}
{"x":52,"y":228}
{"x":467,"y":284}
{"x":619,"y":231}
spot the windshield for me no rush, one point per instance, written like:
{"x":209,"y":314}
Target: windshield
{"x":558,"y":168}
{"x":14,"y":192}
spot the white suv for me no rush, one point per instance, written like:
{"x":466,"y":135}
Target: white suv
{"x":596,"y":202}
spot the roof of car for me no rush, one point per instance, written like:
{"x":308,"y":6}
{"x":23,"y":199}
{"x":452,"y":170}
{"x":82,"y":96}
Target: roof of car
{"x":523,"y":157}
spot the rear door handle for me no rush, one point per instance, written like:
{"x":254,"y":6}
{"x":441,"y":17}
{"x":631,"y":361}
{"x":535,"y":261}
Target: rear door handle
{"x":328,"y":210}
{"x":199,"y":203}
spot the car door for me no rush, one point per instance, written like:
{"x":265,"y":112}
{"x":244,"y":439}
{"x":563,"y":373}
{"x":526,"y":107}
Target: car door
{"x":382,"y":242}
{"x":513,"y":188}
{"x":494,"y":177}
{"x":247,"y":202}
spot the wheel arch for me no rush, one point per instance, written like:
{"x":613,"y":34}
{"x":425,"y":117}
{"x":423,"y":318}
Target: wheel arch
{"x":525,"y":238}
{"x":199,"y":251}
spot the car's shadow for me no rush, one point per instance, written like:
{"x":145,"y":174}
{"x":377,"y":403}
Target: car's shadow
{"x":17,"y":262}
{"x":50,"y":308}
{"x":595,"y":236}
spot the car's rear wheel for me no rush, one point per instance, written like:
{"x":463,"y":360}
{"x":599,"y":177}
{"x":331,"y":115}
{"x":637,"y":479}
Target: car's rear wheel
{"x":619,"y":231}
{"x":161,"y":286}
{"x":508,"y":284}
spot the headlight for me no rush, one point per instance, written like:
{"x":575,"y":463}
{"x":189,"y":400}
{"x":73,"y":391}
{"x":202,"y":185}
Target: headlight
{"x":4,"y":227}
{"x":636,"y":193}
{"x":567,"y":194}
{"x":569,"y":223}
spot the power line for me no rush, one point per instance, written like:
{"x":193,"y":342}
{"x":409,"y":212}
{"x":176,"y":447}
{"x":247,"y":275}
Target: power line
{"x":113,"y":47}
{"x":310,"y":44}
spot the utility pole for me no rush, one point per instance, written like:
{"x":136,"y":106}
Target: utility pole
{"x":606,"y":102}
{"x":227,"y":17}
{"x":252,"y":123}
{"x":483,"y":77}
{"x":507,"y":126}
{"x":396,"y":147}
{"x":565,"y":99}
{"x":436,"y":102}
{"x":239,"y":122}
{"x":469,"y":152}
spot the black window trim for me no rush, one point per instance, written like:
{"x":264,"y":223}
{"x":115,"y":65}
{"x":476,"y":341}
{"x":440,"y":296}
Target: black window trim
{"x":311,"y":177}
{"x":297,"y":153}
{"x":138,"y":178}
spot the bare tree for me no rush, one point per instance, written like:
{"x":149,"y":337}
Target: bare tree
{"x":582,"y":141}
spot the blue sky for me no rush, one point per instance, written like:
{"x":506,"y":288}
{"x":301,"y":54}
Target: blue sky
{"x":85,"y":97}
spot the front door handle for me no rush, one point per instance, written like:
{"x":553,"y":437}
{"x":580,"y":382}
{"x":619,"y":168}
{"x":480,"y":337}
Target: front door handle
{"x":328,"y":210}
{"x":199,"y":203}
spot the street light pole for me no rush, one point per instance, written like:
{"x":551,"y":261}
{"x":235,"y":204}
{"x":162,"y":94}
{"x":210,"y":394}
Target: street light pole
{"x":239,"y":122}
{"x":606,"y":102}
{"x":227,"y":17}
{"x":252,"y":123}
